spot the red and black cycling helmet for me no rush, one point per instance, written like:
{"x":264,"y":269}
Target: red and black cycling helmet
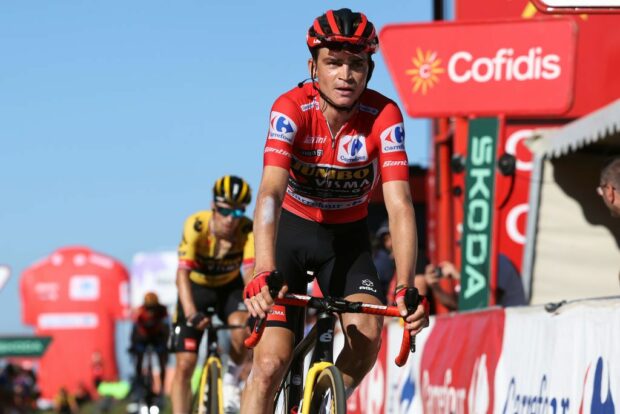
{"x":343,"y":28}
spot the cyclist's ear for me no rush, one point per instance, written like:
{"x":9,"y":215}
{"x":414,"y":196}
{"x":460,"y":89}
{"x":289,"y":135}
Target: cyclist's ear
{"x":312,"y":68}
{"x":371,"y":67}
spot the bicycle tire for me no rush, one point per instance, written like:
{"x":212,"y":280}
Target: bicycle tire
{"x":215,"y":401}
{"x":208,"y":397}
{"x":281,"y":400}
{"x":199,"y":396}
{"x":329,"y":380}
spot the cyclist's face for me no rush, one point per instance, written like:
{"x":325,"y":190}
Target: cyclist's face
{"x":341,"y":74}
{"x":225,"y":219}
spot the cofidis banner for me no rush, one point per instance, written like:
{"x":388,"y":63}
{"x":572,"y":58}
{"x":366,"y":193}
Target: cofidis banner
{"x":511,"y":67}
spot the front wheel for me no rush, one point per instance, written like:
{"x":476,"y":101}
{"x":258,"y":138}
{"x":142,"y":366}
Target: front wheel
{"x":208,"y":399}
{"x":328,"y":395}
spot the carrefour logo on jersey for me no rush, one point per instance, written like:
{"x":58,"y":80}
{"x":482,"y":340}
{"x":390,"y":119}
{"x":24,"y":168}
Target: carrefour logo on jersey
{"x":393,"y":138}
{"x":352,"y":149}
{"x":281,"y":127}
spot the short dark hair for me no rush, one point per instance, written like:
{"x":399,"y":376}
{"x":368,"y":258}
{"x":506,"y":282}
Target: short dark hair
{"x":610,"y":174}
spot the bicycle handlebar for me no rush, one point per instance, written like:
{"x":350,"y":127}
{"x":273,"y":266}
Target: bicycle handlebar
{"x":340,"y":306}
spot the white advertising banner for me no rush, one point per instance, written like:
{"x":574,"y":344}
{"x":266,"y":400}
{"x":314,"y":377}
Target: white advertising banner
{"x":404,"y":383}
{"x":513,"y":361}
{"x":154,"y":272}
{"x":562,"y":362}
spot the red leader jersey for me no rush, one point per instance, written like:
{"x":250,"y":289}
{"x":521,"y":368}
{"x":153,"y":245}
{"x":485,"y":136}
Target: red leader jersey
{"x":151,"y":322}
{"x":75,"y":295}
{"x":331,"y":177}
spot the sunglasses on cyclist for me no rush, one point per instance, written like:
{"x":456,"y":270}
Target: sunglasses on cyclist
{"x":226,"y":211}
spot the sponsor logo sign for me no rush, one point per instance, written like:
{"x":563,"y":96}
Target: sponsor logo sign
{"x":477,"y":245}
{"x":597,"y":389}
{"x":190,"y":344}
{"x":312,"y":105}
{"x":84,"y":288}
{"x":277,"y":151}
{"x":367,"y":284}
{"x":518,"y":67}
{"x":448,"y":381}
{"x":330,"y":182}
{"x":67,"y":320}
{"x":214,"y":267}
{"x":393,"y":138}
{"x":352,"y":149}
{"x":277,"y":313}
{"x":311,"y":153}
{"x":281,"y":127}
{"x":24,"y":346}
{"x":577,"y":6}
{"x":560,"y":375}
{"x":47,"y":291}
{"x":315,"y":140}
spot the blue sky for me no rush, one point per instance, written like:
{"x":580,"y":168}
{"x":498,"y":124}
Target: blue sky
{"x":116,"y":117}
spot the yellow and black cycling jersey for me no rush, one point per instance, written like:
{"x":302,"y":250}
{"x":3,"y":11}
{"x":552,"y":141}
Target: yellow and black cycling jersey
{"x":198,"y":251}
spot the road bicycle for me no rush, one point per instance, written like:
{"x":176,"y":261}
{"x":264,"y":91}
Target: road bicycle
{"x":324,"y":389}
{"x":146,"y":398}
{"x":208,"y":398}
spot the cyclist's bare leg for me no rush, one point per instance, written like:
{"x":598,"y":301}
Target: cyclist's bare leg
{"x":271,"y":359}
{"x":139,"y":359}
{"x":362,"y":342}
{"x":163,"y":362}
{"x":181,"y":393}
{"x":238,"y":351}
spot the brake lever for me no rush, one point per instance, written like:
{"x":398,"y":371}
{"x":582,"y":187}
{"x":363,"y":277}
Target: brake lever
{"x":412,"y":300}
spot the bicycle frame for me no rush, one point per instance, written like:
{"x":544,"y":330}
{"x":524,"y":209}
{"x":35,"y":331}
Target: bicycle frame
{"x":322,"y":356}
{"x":213,"y":356}
{"x":322,"y":359}
{"x":321,"y":338}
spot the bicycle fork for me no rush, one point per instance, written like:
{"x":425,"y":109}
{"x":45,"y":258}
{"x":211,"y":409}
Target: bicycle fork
{"x":322,"y":357}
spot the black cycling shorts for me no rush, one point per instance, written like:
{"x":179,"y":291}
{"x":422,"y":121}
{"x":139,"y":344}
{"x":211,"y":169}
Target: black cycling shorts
{"x":221,"y":301}
{"x":338,"y":254}
{"x":139,"y":343}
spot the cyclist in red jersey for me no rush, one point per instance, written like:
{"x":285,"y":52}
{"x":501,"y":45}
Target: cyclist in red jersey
{"x":150,"y":328}
{"x":329,"y":142}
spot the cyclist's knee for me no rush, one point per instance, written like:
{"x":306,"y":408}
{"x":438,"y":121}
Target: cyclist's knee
{"x":185,"y":365}
{"x":267,"y":369}
{"x":364,"y":332}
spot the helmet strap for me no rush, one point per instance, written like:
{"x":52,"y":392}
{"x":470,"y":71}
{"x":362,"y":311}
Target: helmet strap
{"x":331,"y":103}
{"x":341,"y":108}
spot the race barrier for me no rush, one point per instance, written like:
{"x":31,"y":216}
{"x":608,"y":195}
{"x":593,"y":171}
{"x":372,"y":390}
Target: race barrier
{"x":509,"y":361}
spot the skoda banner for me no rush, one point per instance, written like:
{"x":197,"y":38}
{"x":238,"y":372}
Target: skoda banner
{"x":24,"y":346}
{"x":486,"y":68}
{"x":476,"y":243}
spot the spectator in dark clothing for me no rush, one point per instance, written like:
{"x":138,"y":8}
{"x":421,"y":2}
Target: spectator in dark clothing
{"x":383,"y":257}
{"x":509,"y":291}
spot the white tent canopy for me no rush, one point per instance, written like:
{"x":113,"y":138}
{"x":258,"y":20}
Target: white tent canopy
{"x":573,"y":244}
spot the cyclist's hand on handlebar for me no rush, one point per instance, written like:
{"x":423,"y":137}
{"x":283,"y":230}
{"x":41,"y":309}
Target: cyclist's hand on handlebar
{"x":198,"y":320}
{"x":257,"y":297}
{"x":414,"y":315}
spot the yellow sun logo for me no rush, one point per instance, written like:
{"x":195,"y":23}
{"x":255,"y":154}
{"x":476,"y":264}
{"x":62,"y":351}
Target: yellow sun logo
{"x":425,"y":71}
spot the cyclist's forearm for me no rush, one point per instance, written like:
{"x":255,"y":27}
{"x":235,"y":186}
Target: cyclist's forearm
{"x":185,"y":292}
{"x":404,"y":242}
{"x":267,"y":215}
{"x":265,"y":227}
